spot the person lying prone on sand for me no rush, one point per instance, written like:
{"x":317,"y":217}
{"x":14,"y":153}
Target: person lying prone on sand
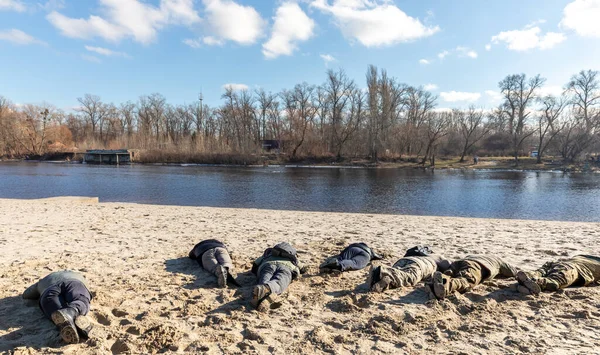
{"x":275,"y":270}
{"x":470,"y":272}
{"x":64,"y":298}
{"x":354,"y":257}
{"x":418,"y":264}
{"x":580,"y":270}
{"x":212,"y":255}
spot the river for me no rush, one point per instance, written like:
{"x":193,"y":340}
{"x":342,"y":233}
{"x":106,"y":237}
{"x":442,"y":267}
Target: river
{"x":489,"y":194}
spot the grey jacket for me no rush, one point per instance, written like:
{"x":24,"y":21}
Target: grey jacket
{"x":36,"y":290}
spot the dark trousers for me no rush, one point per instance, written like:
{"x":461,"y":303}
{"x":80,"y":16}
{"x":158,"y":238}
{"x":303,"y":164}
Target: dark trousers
{"x":72,"y":294}
{"x":354,"y":259}
{"x":277,"y":277}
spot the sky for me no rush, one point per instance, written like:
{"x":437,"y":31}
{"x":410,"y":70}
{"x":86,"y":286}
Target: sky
{"x":58,"y":50}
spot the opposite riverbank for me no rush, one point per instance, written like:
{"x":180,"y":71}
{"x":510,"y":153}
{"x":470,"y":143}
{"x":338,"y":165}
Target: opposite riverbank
{"x":488,"y":163}
{"x":150,"y":297}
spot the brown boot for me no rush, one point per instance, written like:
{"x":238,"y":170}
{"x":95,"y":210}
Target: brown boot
{"x":438,"y":285}
{"x":528,"y":283}
{"x":259,"y":293}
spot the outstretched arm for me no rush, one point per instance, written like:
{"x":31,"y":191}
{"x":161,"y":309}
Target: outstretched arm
{"x":31,"y":293}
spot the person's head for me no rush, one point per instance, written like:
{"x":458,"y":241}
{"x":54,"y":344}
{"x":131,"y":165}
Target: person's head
{"x":419,"y":250}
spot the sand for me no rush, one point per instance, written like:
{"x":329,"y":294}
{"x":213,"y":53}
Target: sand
{"x":149,"y":297}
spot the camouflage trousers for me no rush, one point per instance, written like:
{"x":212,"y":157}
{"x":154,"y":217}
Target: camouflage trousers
{"x":407,"y":272}
{"x":555,"y":275}
{"x":466,"y":274}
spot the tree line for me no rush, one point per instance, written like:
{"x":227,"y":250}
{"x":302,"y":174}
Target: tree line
{"x":337,"y":119}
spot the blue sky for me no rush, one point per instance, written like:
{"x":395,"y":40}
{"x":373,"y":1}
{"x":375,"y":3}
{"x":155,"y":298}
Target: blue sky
{"x":56,"y":51}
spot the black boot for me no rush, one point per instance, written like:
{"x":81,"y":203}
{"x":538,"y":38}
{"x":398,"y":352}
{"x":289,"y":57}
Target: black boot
{"x":65,"y":321}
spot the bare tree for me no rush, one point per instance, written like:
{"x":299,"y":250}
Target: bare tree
{"x":301,"y":107}
{"x":472,"y":127}
{"x":548,"y":125}
{"x":91,"y":110}
{"x":585,"y":89}
{"x":519,"y":94}
{"x":338,"y":88}
{"x":437,"y":124}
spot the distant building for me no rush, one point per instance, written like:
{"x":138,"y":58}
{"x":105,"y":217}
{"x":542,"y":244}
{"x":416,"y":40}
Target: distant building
{"x":100,"y":156}
{"x":271,"y":144}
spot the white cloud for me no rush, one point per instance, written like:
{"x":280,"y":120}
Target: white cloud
{"x":327,"y":58}
{"x":18,"y":37}
{"x":529,"y":38}
{"x":91,"y":58}
{"x":443,"y":54}
{"x":12,"y":5}
{"x":291,"y":25}
{"x":51,"y":5}
{"x":457,"y":96}
{"x":488,"y":47}
{"x":430,"y":87}
{"x":494,"y":96}
{"x":127,"y":18}
{"x":212,"y":41}
{"x":230,"y":21}
{"x":373,"y":23}
{"x":424,"y":61}
{"x":235,"y":87}
{"x":553,"y":90}
{"x":466,"y":52}
{"x":194,"y":43}
{"x":582,"y":17}
{"x":106,"y":52}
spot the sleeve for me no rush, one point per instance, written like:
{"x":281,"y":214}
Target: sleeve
{"x":443,"y":264}
{"x":508,"y":270}
{"x":31,"y":293}
{"x":256,"y":264}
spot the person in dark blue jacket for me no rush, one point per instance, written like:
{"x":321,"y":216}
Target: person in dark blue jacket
{"x":212,"y":255}
{"x":64,"y":298}
{"x":354,"y":257}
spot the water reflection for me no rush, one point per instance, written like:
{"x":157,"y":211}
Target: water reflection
{"x":509,"y":194}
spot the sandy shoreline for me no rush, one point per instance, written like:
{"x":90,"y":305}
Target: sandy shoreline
{"x":149,"y":296}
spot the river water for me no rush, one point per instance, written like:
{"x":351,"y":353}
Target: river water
{"x":489,"y":194}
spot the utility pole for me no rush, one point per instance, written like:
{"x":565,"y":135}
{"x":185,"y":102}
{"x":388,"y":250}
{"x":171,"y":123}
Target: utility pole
{"x":201,"y":119}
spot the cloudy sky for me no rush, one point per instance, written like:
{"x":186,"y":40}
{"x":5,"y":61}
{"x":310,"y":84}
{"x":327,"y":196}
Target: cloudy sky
{"x":58,"y":50}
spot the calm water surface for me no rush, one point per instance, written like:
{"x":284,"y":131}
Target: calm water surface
{"x":491,"y":194}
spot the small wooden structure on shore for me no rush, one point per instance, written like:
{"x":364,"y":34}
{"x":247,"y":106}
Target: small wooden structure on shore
{"x":99,"y":156}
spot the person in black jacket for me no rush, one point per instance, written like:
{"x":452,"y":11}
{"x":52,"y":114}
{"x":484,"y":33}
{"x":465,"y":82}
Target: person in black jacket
{"x":275,"y":270}
{"x":354,"y":257}
{"x":212,"y":255}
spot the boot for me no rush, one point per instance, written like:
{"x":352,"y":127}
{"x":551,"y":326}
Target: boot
{"x":259,"y":293}
{"x":331,"y":264}
{"x":84,"y":326}
{"x":374,"y":275}
{"x":382,"y":284}
{"x":528,"y":283}
{"x":438,"y":285}
{"x":65,"y":321}
{"x":221,"y":272}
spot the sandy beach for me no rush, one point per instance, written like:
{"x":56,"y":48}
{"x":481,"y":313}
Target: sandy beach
{"x":149,"y":297}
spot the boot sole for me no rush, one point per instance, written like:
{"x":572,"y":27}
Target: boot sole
{"x":83,"y":324}
{"x":221,"y":277}
{"x":68,"y":332}
{"x":439,"y":290}
{"x":528,"y":283}
{"x":258,"y":295}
